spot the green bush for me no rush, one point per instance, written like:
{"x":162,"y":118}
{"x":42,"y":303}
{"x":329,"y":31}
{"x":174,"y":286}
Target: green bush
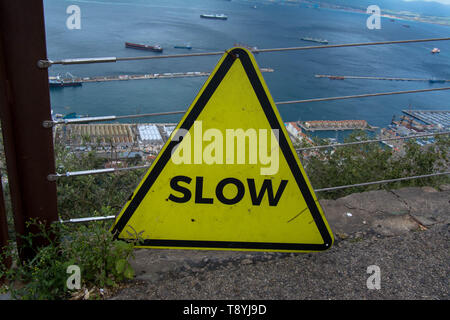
{"x":372,"y":162}
{"x":105,"y":263}
{"x":102,"y":261}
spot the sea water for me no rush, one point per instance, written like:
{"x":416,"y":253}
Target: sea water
{"x":106,"y":25}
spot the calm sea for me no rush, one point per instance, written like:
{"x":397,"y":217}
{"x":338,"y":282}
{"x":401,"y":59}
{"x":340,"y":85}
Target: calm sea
{"x":106,"y":25}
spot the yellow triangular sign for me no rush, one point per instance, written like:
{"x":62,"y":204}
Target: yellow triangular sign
{"x":228,"y":178}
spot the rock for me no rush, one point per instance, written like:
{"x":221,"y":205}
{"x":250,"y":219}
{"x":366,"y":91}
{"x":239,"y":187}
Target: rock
{"x":395,"y":225}
{"x":429,"y":189}
{"x":246,"y":261}
{"x":5,"y":296}
{"x":342,"y":235}
{"x":444,"y":187}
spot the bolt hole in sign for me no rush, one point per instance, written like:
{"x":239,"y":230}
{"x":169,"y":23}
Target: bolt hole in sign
{"x":228,"y":178}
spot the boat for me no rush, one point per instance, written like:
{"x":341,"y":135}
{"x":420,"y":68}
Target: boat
{"x":57,"y":82}
{"x":214,"y":16}
{"x":435,"y":50}
{"x":253,"y":49}
{"x":74,"y":115}
{"x":436,"y":81}
{"x":314,"y":40}
{"x":183,"y":47}
{"x":155,"y":48}
{"x":336,"y":78}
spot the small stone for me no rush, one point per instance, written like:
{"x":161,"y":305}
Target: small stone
{"x":428,"y":189}
{"x":186,"y":266}
{"x":246,"y":261}
{"x":444,"y":187}
{"x":342,"y":236}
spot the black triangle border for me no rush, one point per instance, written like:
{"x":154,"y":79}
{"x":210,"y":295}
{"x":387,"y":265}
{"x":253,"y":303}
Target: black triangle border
{"x":236,"y":53}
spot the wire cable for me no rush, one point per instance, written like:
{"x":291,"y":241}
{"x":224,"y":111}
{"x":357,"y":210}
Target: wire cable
{"x":371,"y":141}
{"x":50,"y":123}
{"x":47,"y":63}
{"x":382,"y":181}
{"x":55,"y":176}
{"x":89,"y":219}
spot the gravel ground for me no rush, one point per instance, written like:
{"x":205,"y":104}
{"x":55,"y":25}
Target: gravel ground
{"x":414,"y":265}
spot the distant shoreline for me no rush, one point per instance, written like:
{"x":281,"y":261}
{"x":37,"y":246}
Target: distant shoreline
{"x":389,"y":14}
{"x":392,"y":15}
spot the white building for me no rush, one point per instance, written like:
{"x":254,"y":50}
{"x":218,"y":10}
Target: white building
{"x":149,"y":133}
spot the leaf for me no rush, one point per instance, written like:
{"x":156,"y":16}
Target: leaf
{"x":120,"y":265}
{"x":129,"y":272}
{"x":109,"y":282}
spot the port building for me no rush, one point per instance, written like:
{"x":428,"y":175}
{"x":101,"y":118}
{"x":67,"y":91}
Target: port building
{"x":440,"y":118}
{"x":118,"y":135}
{"x":149,"y":133}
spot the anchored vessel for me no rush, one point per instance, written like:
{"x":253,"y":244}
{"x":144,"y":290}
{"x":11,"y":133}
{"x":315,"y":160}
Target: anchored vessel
{"x":435,"y":50}
{"x":251,"y":48}
{"x":315,"y":40}
{"x":57,"y":82}
{"x":214,"y":16}
{"x":183,"y":47}
{"x":155,"y":48}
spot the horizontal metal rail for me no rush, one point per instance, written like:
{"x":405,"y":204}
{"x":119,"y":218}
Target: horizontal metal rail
{"x":340,"y":77}
{"x":372,"y":141}
{"x":365,"y":95}
{"x":47,"y":63}
{"x":55,"y":176}
{"x":50,"y":123}
{"x":382,"y":181}
{"x":89,"y":219}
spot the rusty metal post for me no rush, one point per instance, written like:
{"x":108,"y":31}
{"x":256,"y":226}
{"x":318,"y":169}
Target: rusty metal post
{"x":3,"y":229}
{"x":24,"y":105}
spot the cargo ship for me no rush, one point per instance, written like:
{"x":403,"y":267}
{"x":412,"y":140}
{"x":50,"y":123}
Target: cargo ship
{"x":314,"y":40}
{"x":435,"y":50}
{"x":183,"y":47}
{"x":155,"y":48}
{"x":436,"y":81}
{"x":250,"y":48}
{"x":57,"y":82}
{"x":214,"y":16}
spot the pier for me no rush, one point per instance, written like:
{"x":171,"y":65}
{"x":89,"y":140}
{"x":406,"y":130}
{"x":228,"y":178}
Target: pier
{"x":438,"y":118}
{"x":329,"y":125}
{"x":166,"y":75}
{"x":334,"y":77}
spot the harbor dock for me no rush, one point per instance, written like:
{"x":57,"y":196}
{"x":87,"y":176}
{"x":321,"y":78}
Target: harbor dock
{"x":334,"y":77}
{"x":167,"y":75}
{"x":330,"y":125}
{"x":440,"y":118}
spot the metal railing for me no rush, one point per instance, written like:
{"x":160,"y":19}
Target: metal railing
{"x":50,"y":123}
{"x":90,"y":219}
{"x":48,"y":63}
